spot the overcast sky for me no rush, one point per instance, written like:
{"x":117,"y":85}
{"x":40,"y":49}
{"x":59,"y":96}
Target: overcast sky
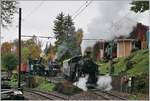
{"x":101,"y":19}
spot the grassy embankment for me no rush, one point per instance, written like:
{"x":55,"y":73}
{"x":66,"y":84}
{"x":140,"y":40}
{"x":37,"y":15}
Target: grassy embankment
{"x":141,"y":65}
{"x":140,"y":70}
{"x":41,"y":84}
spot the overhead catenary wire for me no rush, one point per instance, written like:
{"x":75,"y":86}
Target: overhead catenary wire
{"x":34,"y":9}
{"x":82,"y":9}
{"x":37,"y":36}
{"x":54,"y":37}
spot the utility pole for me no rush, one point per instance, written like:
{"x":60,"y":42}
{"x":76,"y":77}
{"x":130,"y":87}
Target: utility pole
{"x":19,"y":73}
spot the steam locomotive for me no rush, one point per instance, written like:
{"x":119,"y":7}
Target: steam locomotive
{"x":79,"y":66}
{"x":73,"y":68}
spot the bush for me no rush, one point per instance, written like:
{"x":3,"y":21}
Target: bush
{"x":40,"y":83}
{"x":46,"y":86}
{"x":141,"y":83}
{"x":14,"y":82}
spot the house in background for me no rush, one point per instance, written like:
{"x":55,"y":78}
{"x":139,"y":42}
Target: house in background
{"x":124,"y":47}
{"x":139,"y":34}
{"x":98,"y":49}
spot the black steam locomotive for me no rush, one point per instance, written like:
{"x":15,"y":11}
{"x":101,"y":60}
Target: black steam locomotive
{"x":80,"y":66}
{"x":36,"y":67}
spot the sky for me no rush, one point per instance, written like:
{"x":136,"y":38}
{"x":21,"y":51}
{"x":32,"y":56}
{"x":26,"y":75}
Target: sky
{"x":100,"y":19}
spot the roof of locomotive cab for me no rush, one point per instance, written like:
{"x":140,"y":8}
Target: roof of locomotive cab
{"x":75,"y":58}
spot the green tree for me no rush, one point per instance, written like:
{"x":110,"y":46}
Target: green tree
{"x":69,"y":27}
{"x":33,"y":47}
{"x":65,"y":34}
{"x":140,"y":6}
{"x":9,"y":62}
{"x":59,"y":29}
{"x":8,"y":9}
{"x":25,"y":54}
{"x":30,"y":46}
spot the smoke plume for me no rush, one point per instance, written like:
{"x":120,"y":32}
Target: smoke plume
{"x":103,"y":83}
{"x":114,"y":19}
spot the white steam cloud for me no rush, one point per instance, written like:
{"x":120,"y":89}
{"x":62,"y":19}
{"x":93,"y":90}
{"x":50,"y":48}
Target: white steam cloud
{"x":103,"y":83}
{"x":115,"y":19}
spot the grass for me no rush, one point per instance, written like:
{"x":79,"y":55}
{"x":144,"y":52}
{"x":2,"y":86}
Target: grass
{"x":13,"y":82}
{"x":141,"y":65}
{"x":46,"y":86}
{"x":43,"y":85}
{"x":138,"y":96}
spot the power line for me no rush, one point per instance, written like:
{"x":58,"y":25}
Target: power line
{"x":37,"y":36}
{"x":34,"y":9}
{"x":82,"y":9}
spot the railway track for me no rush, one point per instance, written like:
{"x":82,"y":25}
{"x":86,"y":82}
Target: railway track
{"x":108,"y":95}
{"x":48,"y":96}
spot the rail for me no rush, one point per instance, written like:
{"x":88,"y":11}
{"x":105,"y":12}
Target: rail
{"x":50,"y":96}
{"x":108,"y":95}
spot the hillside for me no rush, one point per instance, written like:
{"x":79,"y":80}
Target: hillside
{"x":140,"y":65}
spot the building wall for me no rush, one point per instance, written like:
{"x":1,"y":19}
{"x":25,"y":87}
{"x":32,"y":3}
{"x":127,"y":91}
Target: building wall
{"x":101,"y":53}
{"x":124,"y":48}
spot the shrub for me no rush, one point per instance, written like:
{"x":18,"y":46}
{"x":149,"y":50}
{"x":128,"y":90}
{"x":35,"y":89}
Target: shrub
{"x":46,"y":86}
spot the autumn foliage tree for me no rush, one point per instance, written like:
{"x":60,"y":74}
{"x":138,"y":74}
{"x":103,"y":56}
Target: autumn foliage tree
{"x":6,"y":47}
{"x":31,"y":46}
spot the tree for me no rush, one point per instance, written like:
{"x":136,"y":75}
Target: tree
{"x":78,"y":39}
{"x":8,"y":9}
{"x":59,"y":29}
{"x":33,"y":47}
{"x":9,"y":62}
{"x":140,"y":6}
{"x":79,"y":36}
{"x":69,"y":27}
{"x":25,"y":54}
{"x":67,"y":43}
{"x":6,"y":47}
{"x":30,"y":46}
{"x":50,"y":51}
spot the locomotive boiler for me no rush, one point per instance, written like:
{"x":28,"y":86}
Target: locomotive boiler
{"x":78,"y":66}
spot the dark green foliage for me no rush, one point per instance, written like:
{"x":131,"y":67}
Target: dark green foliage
{"x":9,"y":61}
{"x":141,"y":83}
{"x":140,"y":6}
{"x":59,"y":29}
{"x":8,"y":9}
{"x":66,"y":43}
{"x":140,"y":63}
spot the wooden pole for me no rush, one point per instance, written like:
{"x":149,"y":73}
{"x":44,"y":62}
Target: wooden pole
{"x":19,"y":75}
